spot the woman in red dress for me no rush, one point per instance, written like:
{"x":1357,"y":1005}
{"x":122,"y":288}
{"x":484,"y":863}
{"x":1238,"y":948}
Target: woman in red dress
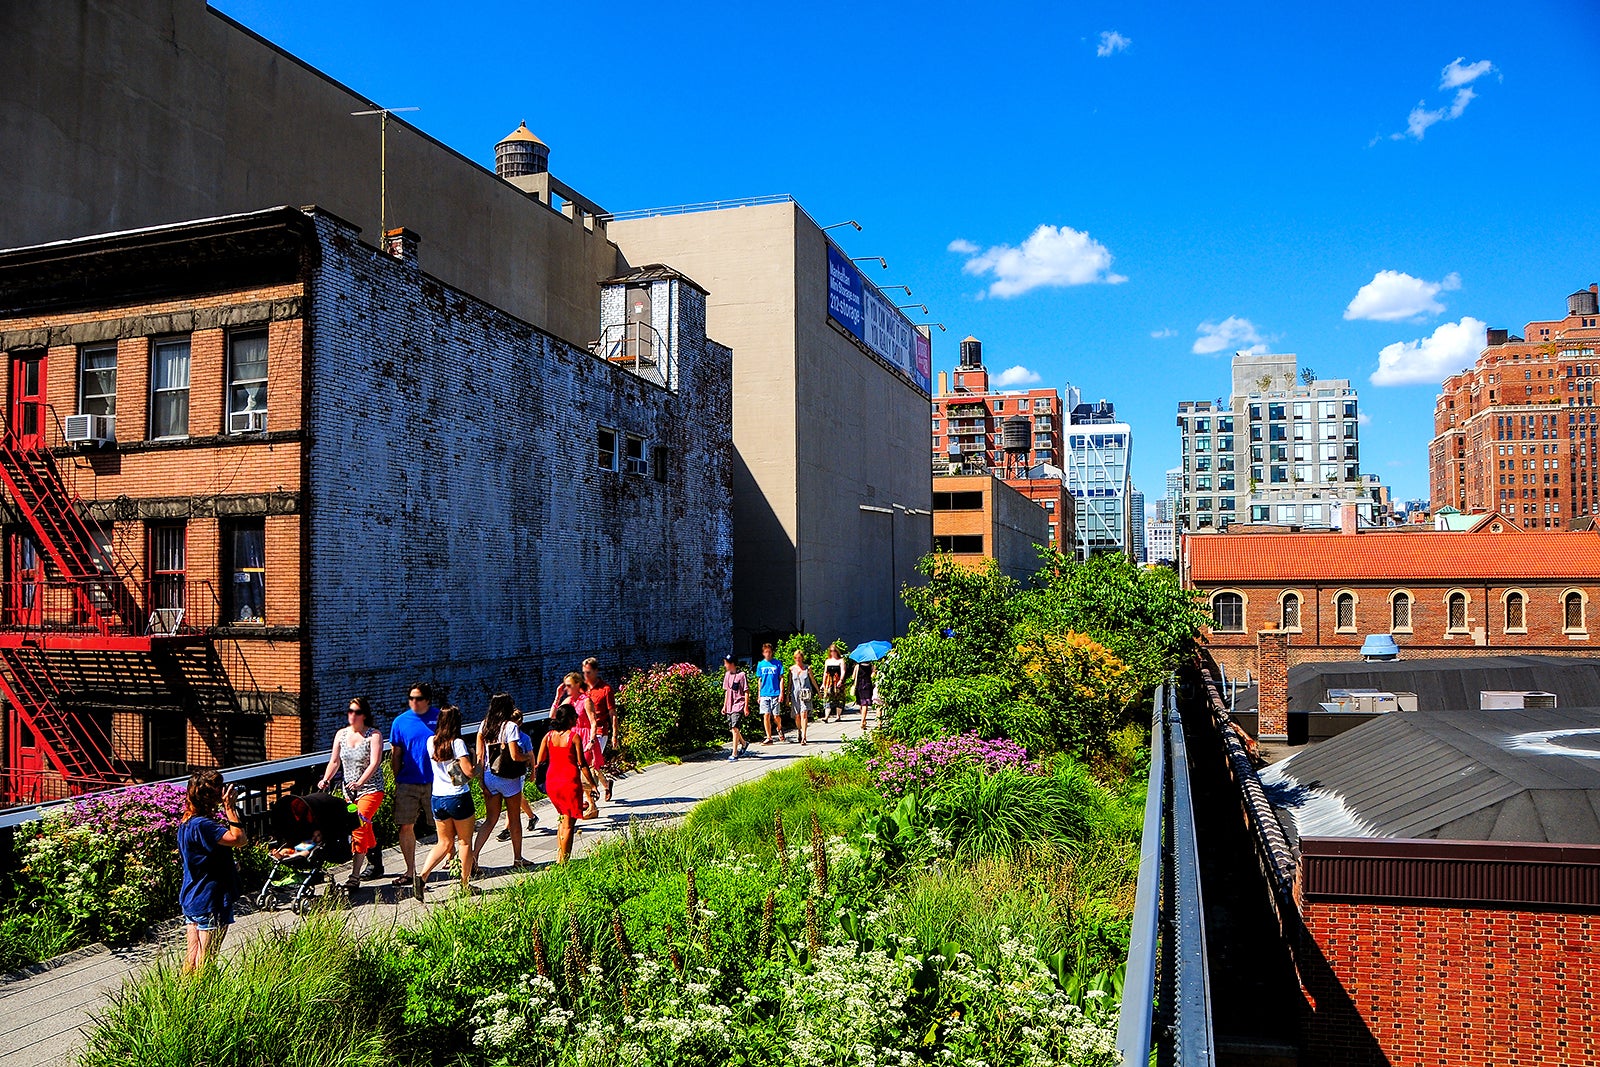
{"x":572,"y":690}
{"x":565,"y":778}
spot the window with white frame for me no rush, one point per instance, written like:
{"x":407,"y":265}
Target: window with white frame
{"x":97,"y":380}
{"x":633,"y":454}
{"x":169,"y":388}
{"x":1227,"y":613}
{"x":247,"y":382}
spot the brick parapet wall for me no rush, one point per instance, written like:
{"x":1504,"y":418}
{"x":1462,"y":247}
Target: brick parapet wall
{"x":1419,"y":985}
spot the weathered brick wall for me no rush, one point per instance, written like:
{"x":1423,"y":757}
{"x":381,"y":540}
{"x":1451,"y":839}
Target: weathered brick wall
{"x":460,"y":528}
{"x":1413,"y":985}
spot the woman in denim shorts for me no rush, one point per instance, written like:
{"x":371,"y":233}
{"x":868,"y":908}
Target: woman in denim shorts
{"x":210,"y":880}
{"x":501,"y":741}
{"x":453,"y":810}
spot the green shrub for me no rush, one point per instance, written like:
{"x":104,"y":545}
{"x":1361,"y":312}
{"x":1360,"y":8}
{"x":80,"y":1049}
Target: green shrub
{"x":998,"y":814}
{"x":669,"y":710}
{"x":983,"y":704}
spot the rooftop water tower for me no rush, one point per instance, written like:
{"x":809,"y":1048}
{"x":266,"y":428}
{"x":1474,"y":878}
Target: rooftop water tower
{"x":520,"y":153}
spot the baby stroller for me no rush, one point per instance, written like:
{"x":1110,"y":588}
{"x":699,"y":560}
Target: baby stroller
{"x":305,"y":834}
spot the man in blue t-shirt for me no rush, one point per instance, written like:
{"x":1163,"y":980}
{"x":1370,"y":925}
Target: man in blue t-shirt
{"x":770,"y":673}
{"x":410,"y":737}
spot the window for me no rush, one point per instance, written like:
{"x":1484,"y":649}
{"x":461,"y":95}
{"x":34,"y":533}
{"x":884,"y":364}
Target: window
{"x":1344,"y":610}
{"x":606,"y":446}
{"x":1400,"y":613}
{"x":658,"y":463}
{"x":1456,"y":610}
{"x":1290,"y":619}
{"x":1227,"y":613}
{"x":247,"y":382}
{"x":1572,"y":607}
{"x":244,"y":543}
{"x":633,"y":454}
{"x":969,"y":543}
{"x":169,"y":389}
{"x":97,"y":385}
{"x":167,"y":561}
{"x":1515,"y":613}
{"x":971,"y":501}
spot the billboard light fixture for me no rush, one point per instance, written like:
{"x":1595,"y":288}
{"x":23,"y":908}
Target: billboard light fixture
{"x":886,"y":288}
{"x":846,"y":222}
{"x":883,"y":264}
{"x":902,"y":307}
{"x":938,"y":324}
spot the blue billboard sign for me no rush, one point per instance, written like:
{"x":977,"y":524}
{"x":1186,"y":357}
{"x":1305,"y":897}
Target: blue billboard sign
{"x":856,"y":307}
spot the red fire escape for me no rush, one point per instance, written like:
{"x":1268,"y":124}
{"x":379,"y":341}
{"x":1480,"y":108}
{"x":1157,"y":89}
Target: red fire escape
{"x":79,"y":622}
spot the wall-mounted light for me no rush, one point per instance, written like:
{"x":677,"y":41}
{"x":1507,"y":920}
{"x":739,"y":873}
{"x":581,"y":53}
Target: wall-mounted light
{"x":846,"y":222}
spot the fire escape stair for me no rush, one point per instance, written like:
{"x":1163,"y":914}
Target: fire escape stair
{"x":74,"y":746}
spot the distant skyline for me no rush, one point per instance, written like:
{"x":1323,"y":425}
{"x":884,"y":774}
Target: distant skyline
{"x":1114,"y":196}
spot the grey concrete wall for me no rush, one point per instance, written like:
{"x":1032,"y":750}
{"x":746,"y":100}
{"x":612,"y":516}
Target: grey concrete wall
{"x":820,"y":428}
{"x":1020,"y":526}
{"x":461,"y":529}
{"x":116,"y":114}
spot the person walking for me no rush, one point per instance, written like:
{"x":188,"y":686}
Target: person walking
{"x":769,"y":674}
{"x":833,"y":684}
{"x":452,"y":768}
{"x":572,"y":691}
{"x":564,"y":780}
{"x":604,"y":706}
{"x":210,"y":880}
{"x":504,"y":760}
{"x":358,"y":757}
{"x":410,"y":744}
{"x":802,"y":693}
{"x":735,"y":702}
{"x":861,"y":674}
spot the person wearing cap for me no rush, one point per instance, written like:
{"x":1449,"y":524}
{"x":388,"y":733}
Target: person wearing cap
{"x":735,"y":700}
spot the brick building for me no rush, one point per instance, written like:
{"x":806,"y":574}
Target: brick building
{"x":1438,"y":593}
{"x":970,"y":422}
{"x":1517,"y":433}
{"x":978,"y":517}
{"x":338,"y":474}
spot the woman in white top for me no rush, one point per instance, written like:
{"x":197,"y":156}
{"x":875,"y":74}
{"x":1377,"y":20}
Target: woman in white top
{"x":833,"y":684}
{"x":802,"y":693}
{"x":453,"y":810}
{"x":500,"y":750}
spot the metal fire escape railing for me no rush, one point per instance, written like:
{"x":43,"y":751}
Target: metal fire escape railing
{"x":638,"y":347}
{"x":1167,"y":964}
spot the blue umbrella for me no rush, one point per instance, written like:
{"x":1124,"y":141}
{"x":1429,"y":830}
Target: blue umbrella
{"x":868,"y":651}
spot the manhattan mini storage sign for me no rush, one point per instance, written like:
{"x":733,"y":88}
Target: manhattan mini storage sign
{"x":861,"y":311}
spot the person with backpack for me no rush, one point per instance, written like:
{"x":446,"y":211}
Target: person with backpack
{"x":802,"y":688}
{"x":503,"y":754}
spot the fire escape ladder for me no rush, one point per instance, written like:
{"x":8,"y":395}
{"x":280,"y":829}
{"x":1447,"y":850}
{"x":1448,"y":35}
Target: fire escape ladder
{"x":69,"y":742}
{"x":195,"y":674}
{"x":34,"y":480}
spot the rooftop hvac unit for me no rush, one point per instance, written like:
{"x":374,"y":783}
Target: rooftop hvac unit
{"x":247,"y":422}
{"x":1514,"y":700}
{"x":89,"y":429}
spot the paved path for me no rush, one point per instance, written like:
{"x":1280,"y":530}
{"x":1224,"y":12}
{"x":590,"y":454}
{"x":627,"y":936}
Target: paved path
{"x":41,"y":1013}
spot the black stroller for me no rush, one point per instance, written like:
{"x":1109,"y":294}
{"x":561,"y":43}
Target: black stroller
{"x":305,"y":834}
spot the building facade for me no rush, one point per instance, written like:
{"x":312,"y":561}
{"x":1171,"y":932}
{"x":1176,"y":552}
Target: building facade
{"x":970,"y":420}
{"x":1099,"y":458}
{"x":1516,"y":433}
{"x":978,"y":517}
{"x":1284,"y":448}
{"x":1160,"y":539}
{"x":1474,"y":593}
{"x":1136,"y":517}
{"x":296,"y":462}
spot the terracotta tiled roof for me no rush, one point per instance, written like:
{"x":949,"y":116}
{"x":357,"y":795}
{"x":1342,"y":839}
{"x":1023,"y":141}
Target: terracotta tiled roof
{"x":1403,"y":557}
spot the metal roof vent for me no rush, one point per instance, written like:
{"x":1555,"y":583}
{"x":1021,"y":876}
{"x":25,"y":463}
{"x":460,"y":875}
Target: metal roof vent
{"x":1379,"y":647}
{"x":1514,"y":700}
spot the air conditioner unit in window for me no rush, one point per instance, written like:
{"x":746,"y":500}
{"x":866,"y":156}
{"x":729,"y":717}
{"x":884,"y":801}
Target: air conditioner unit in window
{"x":247,"y":422}
{"x":90,"y":429}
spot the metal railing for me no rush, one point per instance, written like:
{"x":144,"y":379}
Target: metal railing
{"x":61,"y":606}
{"x":689,"y":209}
{"x":1167,"y":963}
{"x":638,"y":347}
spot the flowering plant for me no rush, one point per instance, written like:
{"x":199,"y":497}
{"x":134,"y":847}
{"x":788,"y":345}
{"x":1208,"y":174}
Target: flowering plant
{"x":669,"y":709}
{"x":916,"y":768}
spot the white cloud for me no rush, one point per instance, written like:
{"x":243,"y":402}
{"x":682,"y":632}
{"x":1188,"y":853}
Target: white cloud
{"x":1459,"y":72}
{"x":1418,"y":121}
{"x":1393,"y":295}
{"x":1463,"y":98}
{"x":1232,"y":332}
{"x":1018,"y":375}
{"x":1164,"y":333}
{"x":1363,"y":419}
{"x":962,"y":245}
{"x":1051,"y":256}
{"x":1448,"y":350}
{"x":1111,"y":42}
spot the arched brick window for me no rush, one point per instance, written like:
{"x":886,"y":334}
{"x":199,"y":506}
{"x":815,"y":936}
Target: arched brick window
{"x":1227,"y":613}
{"x":1344,"y":611}
{"x":1456,"y":612}
{"x":1290,"y":616}
{"x":1572,"y":609}
{"x":1400,"y":613}
{"x":1516,"y":612}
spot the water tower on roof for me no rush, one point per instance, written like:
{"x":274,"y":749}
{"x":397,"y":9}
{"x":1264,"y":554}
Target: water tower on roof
{"x":520,"y":153}
{"x":972,"y":352}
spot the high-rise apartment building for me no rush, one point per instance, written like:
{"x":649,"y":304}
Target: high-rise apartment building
{"x":1160,"y":539}
{"x":1284,"y":448}
{"x":1517,"y":432}
{"x":1013,"y":434}
{"x":1136,"y":520}
{"x":1099,"y":451}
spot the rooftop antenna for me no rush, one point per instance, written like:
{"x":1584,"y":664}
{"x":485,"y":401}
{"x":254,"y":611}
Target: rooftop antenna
{"x":383,"y":164}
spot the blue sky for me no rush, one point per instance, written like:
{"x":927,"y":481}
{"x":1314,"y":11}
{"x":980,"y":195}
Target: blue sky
{"x":1252,"y":167}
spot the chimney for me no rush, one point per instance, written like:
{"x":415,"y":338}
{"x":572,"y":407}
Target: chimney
{"x":1272,"y":670}
{"x":401,"y":243}
{"x":944,"y":383}
{"x":1348,"y":518}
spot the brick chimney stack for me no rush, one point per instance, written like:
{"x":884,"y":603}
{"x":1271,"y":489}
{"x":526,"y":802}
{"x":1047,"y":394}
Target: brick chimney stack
{"x":1347,"y":518}
{"x":1272,"y":681}
{"x":402,"y":243}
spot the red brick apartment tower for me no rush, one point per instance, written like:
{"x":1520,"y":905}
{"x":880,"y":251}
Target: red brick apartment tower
{"x":969,"y":428}
{"x":1517,"y":432}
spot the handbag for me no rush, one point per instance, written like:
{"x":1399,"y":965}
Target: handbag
{"x":503,"y":764}
{"x":539,"y":774}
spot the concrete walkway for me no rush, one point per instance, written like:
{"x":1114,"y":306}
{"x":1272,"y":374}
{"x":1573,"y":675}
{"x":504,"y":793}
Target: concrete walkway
{"x":43,"y":1010}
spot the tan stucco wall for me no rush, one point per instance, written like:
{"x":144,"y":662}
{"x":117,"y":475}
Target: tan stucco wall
{"x":117,"y":115}
{"x":819,"y":428}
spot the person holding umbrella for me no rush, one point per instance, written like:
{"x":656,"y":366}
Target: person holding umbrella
{"x":865,"y":656}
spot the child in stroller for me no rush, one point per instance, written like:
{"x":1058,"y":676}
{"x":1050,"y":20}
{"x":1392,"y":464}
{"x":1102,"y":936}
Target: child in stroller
{"x":306,"y":833}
